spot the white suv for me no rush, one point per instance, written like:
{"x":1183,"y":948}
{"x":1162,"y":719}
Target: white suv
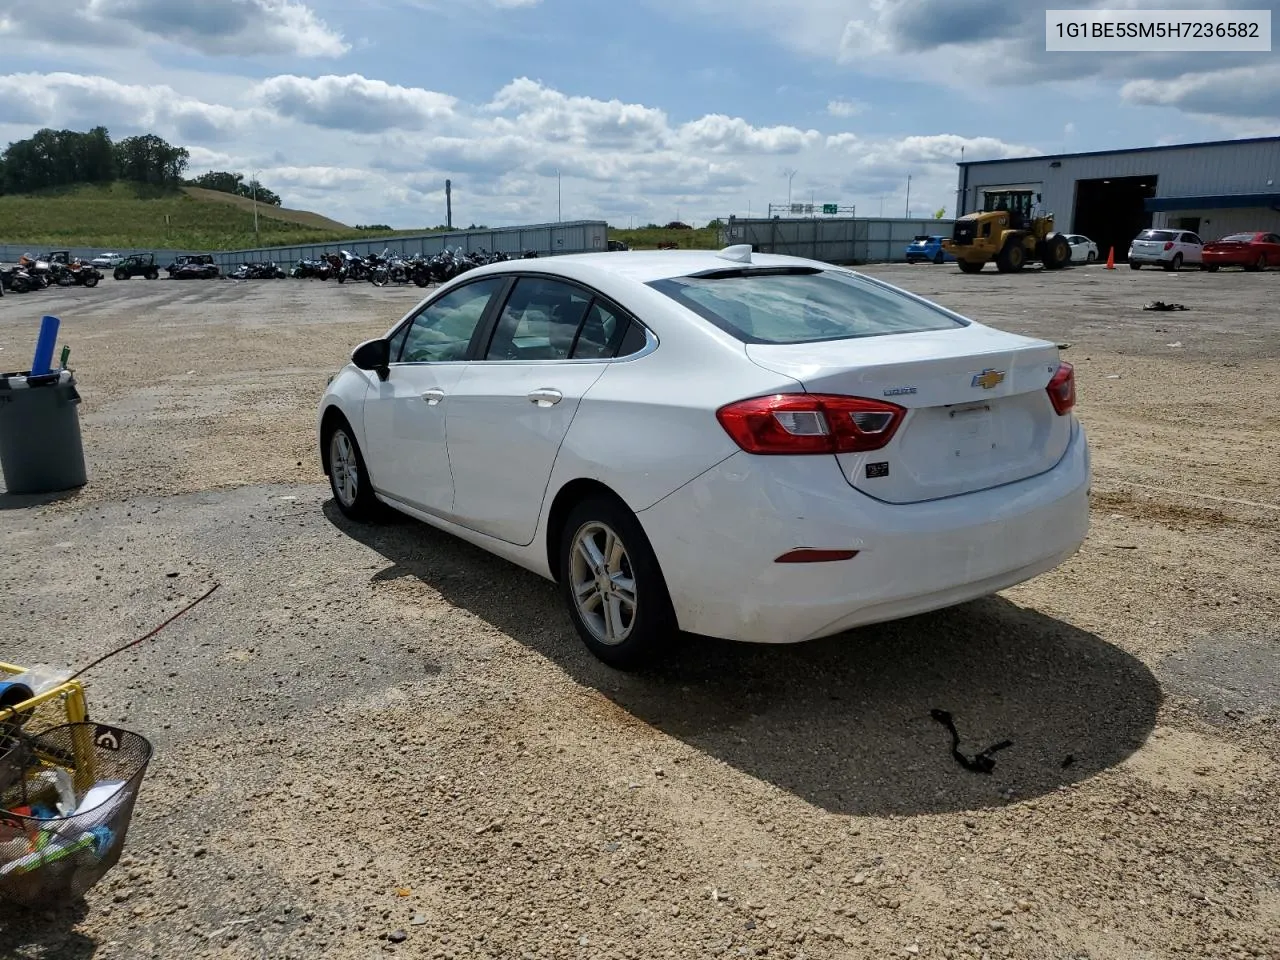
{"x":1168,"y":248}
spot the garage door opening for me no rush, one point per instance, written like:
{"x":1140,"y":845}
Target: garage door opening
{"x":1110,"y":211}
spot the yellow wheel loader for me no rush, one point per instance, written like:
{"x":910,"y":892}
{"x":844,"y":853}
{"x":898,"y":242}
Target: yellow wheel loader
{"x":1008,"y":232}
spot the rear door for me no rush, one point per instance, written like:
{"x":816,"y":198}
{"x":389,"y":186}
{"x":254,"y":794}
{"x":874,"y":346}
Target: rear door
{"x":1191,"y":247}
{"x":511,"y":410}
{"x":1271,"y":249}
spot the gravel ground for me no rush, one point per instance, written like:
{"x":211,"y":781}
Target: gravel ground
{"x":378,"y":740}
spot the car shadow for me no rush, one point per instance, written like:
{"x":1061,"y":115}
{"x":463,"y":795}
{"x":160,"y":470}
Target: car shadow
{"x":46,"y":933}
{"x":846,"y":722}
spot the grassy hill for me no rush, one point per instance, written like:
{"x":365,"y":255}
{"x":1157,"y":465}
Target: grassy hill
{"x":641,"y":238}
{"x":133,"y":215}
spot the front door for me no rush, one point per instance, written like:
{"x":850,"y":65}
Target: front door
{"x":510,"y":412}
{"x":404,"y":416}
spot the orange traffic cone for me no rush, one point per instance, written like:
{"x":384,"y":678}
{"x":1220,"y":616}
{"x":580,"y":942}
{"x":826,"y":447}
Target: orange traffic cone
{"x":1111,"y":259}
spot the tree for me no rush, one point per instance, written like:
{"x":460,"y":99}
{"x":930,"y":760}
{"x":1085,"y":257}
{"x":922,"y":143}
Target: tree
{"x":149,"y":159}
{"x":225,"y":182}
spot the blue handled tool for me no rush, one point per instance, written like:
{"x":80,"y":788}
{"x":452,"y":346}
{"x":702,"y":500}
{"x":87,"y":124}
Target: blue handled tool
{"x":45,"y":343}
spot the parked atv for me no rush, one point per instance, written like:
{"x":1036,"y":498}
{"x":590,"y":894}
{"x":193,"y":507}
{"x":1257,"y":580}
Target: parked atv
{"x":194,"y":267}
{"x":67,"y":271}
{"x":137,"y":265}
{"x":19,"y":280}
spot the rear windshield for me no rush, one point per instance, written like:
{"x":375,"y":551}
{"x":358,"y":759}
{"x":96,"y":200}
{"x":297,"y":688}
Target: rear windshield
{"x":1158,"y":235}
{"x":1240,"y":236}
{"x":802,"y":306}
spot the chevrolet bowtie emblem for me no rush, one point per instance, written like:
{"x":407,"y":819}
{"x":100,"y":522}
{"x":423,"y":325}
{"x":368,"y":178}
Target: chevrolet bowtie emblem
{"x":988,"y":378}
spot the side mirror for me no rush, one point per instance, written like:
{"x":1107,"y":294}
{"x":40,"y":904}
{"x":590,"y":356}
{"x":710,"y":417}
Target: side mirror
{"x":373,"y":355}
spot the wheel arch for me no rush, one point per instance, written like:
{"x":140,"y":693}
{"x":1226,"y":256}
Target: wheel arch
{"x":566,"y":498}
{"x":332,"y":416}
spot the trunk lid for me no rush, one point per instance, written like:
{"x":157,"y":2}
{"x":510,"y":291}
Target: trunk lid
{"x":978,"y":415}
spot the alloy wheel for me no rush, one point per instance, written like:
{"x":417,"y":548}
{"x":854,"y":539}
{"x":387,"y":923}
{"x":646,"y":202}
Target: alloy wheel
{"x":604,"y":584}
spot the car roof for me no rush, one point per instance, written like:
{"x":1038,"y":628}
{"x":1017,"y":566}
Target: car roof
{"x":641,"y":266}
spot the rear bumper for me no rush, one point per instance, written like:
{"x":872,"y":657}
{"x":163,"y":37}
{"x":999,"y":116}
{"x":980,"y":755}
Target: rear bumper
{"x":1236,"y":258}
{"x":1148,"y":258}
{"x":717,"y":538}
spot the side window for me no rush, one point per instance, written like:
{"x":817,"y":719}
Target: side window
{"x":539,"y":321}
{"x":1271,"y":238}
{"x":1191,"y":238}
{"x":633,"y":341}
{"x":443,"y":330}
{"x":602,"y":333}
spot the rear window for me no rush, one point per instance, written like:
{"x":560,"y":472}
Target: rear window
{"x":1244,"y":237}
{"x":1158,"y":235}
{"x":802,"y":306}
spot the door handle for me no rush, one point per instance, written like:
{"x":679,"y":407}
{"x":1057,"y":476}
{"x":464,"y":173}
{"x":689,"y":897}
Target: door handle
{"x":433,"y":396}
{"x":545,"y":396}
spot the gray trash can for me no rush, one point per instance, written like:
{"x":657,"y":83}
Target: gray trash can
{"x":40,"y":448}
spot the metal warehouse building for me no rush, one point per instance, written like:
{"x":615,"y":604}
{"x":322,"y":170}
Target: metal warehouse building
{"x":1213,"y":189}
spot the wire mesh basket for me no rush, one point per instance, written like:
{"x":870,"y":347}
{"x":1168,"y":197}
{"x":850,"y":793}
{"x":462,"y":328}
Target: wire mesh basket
{"x":66,"y":801}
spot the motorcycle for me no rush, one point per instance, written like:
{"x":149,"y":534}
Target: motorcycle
{"x":74,"y":273}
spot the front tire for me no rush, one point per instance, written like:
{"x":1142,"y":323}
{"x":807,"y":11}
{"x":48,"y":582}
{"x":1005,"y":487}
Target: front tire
{"x":121,"y":274}
{"x":1057,"y":252}
{"x":153,"y":274}
{"x":1011,"y":258}
{"x":938,"y":258}
{"x":348,"y":475}
{"x":612,"y":584}
{"x":1091,"y":258}
{"x":1134,"y":266}
{"x":1260,"y":264}
{"x":90,"y":281}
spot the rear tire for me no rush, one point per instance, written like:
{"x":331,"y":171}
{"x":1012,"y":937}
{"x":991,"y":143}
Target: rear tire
{"x":1260,"y":264}
{"x":967,"y":266}
{"x":612,"y":584}
{"x":1175,"y":264}
{"x":348,"y":475}
{"x":938,"y":258}
{"x":1011,"y":258}
{"x":1209,"y":267}
{"x":1134,"y":266}
{"x":121,"y":274}
{"x":90,"y":281}
{"x":153,"y":274}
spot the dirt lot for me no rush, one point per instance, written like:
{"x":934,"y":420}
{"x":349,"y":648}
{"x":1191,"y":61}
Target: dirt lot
{"x":378,"y":741}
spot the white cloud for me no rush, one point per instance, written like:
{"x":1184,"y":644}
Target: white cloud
{"x":528,"y":106}
{"x":353,"y":102}
{"x":315,"y":177}
{"x":845,"y":108}
{"x":76,"y":100}
{"x":1235,"y":92}
{"x":720,"y":134}
{"x":211,"y":27}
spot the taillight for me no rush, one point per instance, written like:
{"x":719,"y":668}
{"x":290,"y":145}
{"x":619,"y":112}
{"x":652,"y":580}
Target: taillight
{"x":810,"y":423}
{"x":1168,"y":244}
{"x":1062,"y":389}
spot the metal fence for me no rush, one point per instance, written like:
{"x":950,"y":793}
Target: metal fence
{"x":546,"y":239}
{"x":834,"y":240}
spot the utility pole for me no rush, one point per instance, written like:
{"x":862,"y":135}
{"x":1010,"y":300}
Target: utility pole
{"x":882,"y":205}
{"x":254,"y":187}
{"x":557,"y":195}
{"x":448,"y":204}
{"x":908,"y":213}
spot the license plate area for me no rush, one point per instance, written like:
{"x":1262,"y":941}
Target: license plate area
{"x":971,"y":430}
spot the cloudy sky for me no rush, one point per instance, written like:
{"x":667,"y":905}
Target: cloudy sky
{"x":649,"y":109}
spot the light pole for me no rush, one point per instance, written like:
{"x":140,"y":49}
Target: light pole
{"x":253,"y":186}
{"x":557,"y":195}
{"x":790,"y":175}
{"x":908,"y":213}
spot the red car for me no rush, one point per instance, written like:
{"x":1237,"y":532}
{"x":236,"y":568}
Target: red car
{"x":1253,"y":251}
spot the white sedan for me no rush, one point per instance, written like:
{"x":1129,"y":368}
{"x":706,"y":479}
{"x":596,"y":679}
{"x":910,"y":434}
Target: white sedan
{"x":759,"y":448}
{"x":1083,"y":250}
{"x":106,"y":261}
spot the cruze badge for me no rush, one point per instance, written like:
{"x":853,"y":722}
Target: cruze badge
{"x":988,"y":378}
{"x":899,"y":391}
